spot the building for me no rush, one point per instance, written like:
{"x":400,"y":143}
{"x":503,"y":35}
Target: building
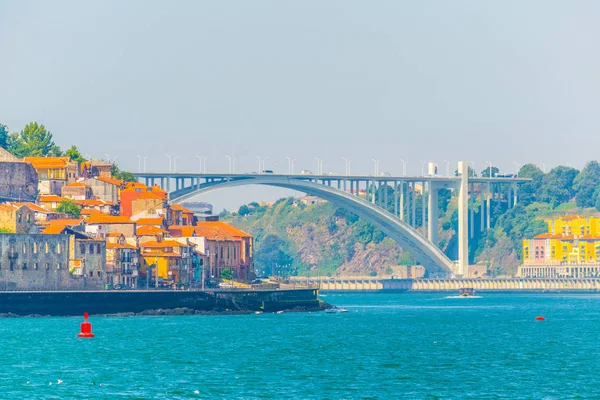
{"x":134,"y":190}
{"x":173,"y":260}
{"x":96,"y":168}
{"x":50,"y":262}
{"x":99,"y":225}
{"x":105,"y":188}
{"x":570,"y":248}
{"x":18,"y":180}
{"x":17,"y":218}
{"x":53,"y":173}
{"x":77,"y":191}
{"x":122,"y":262}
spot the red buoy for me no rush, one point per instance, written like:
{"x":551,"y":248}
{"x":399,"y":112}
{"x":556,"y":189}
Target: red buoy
{"x":540,"y":318}
{"x":86,"y":328}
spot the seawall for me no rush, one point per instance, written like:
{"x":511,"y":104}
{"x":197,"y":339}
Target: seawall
{"x":69,"y":303}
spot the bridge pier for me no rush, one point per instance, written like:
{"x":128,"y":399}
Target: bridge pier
{"x":423,"y":221}
{"x":432,"y":218}
{"x":463,"y":215}
{"x":401,"y":201}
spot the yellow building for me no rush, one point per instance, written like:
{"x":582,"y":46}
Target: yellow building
{"x":572,"y":240}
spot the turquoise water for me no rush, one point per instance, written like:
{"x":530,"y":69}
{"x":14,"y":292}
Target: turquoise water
{"x":388,"y":346}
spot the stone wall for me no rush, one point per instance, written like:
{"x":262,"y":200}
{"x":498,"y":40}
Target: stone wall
{"x":36,"y":262}
{"x":18,"y":181}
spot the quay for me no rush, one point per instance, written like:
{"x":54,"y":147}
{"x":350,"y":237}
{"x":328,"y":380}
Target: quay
{"x":76,"y":302}
{"x":372,"y":284}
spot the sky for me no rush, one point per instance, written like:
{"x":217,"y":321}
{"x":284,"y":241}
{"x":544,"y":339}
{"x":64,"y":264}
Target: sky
{"x":494,"y":81}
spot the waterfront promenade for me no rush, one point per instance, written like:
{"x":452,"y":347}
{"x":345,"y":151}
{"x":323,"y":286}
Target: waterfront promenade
{"x":370,"y":284}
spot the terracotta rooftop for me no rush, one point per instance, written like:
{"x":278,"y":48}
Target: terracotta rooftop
{"x":177,"y":207}
{"x":110,"y":245}
{"x":112,"y":181}
{"x":232,"y":230}
{"x":108,"y":219}
{"x":150,"y":221}
{"x":53,"y":230}
{"x":165,"y":243}
{"x":65,"y":222}
{"x":149,"y":230}
{"x":50,"y":198}
{"x":47,"y":162}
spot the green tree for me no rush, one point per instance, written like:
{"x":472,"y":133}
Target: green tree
{"x":557,"y":186}
{"x":486,"y":172}
{"x":69,"y":207}
{"x":75,"y":155}
{"x":3,"y":136}
{"x":33,"y":141}
{"x":586,"y":185}
{"x":271,"y":253}
{"x":243,"y":210}
{"x":528,"y":191}
{"x":122,"y":175}
{"x":226,"y":274}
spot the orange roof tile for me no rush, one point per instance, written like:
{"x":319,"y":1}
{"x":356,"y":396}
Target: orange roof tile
{"x":181,"y":208}
{"x":149,"y":230}
{"x":214,"y":233}
{"x":53,"y":230}
{"x":165,"y":243}
{"x":77,"y":184}
{"x":182,"y":230}
{"x":161,"y":254}
{"x":119,"y":246}
{"x":232,"y":230}
{"x":108,"y":219}
{"x":47,"y":162}
{"x":46,"y":198}
{"x":112,"y":181}
{"x":150,"y":221}
{"x":94,"y":203}
{"x":91,"y":211}
{"x":149,"y":195}
{"x":65,"y":222}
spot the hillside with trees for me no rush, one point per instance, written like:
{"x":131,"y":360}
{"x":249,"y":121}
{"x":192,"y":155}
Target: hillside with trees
{"x":293,"y":237}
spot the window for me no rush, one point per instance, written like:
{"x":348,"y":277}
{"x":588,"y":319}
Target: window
{"x":28,"y":218}
{"x":12,"y":266}
{"x":35,"y":265}
{"x":34,"y":248}
{"x":59,"y":266}
{"x":82,"y":248}
{"x":91,"y":249}
{"x":98,"y":248}
{"x":47,"y":265}
{"x":91,"y":274}
{"x":58,"y":248}
{"x":19,"y":218}
{"x":24,"y":265}
{"x":24,"y":248}
{"x":47,"y":248}
{"x":99,"y":274}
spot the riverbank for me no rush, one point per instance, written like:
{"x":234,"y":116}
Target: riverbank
{"x":157,"y":302}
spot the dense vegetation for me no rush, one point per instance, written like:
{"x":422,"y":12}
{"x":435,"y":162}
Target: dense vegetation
{"x":281,"y":246}
{"x":34,"y":140}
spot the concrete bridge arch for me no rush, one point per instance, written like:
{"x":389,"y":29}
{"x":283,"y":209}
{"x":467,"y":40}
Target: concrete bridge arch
{"x":424,"y":251}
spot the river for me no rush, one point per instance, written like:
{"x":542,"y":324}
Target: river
{"x":388,"y":346}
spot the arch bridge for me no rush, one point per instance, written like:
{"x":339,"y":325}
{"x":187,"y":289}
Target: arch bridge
{"x":356,"y":193}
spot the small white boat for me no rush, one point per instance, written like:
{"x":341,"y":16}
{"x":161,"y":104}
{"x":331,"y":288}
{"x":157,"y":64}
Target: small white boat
{"x":336,"y":310}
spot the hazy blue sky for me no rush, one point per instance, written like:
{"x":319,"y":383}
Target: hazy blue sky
{"x":498,"y":81}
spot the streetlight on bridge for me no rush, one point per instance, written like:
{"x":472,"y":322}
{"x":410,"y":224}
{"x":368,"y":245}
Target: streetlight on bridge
{"x":348,"y":163}
{"x":290,"y":164}
{"x":175,"y":163}
{"x":403,"y":167}
{"x":319,"y":166}
{"x":518,"y":167}
{"x":231,"y":163}
{"x":447,"y":167}
{"x":169,"y":161}
{"x":490,"y":168}
{"x":375,"y":166}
